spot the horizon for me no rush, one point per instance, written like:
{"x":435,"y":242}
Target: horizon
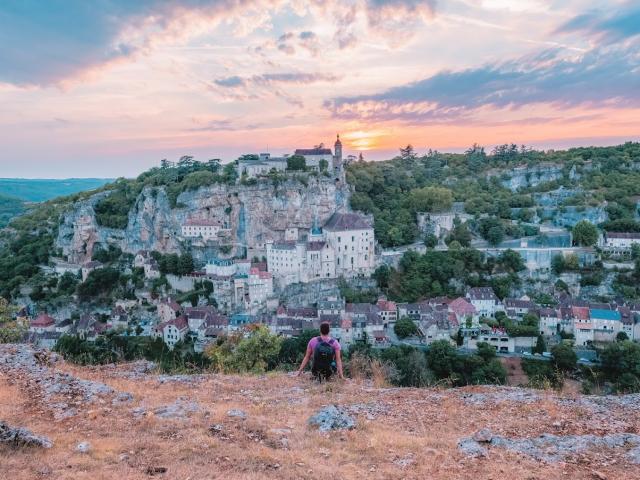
{"x":131,"y":84}
{"x":381,"y":159}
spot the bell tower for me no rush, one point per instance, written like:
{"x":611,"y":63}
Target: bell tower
{"x":337,"y":151}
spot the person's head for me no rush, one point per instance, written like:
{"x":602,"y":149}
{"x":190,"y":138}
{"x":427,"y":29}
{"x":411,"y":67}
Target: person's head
{"x":324,"y":328}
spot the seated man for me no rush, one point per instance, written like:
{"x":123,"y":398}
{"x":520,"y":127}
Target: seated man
{"x":325,"y":351}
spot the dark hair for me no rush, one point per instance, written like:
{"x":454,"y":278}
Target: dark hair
{"x":324,"y":328}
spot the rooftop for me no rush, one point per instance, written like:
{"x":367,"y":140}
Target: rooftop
{"x":347,"y":221}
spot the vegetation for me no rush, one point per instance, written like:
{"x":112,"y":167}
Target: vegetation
{"x":405,"y":327}
{"x":256,"y":352}
{"x":585,"y":233}
{"x":621,"y":366}
{"x":296,"y":162}
{"x":113,"y":348}
{"x":395,"y":190}
{"x":10,"y":330}
{"x":175,"y":264}
{"x":448,"y":273}
{"x":9,"y":208}
{"x":175,"y":178}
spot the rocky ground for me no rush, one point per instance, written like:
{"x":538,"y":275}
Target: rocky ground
{"x":60,"y":421}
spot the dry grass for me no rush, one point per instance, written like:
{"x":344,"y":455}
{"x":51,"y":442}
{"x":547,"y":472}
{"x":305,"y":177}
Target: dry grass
{"x":415,"y":439}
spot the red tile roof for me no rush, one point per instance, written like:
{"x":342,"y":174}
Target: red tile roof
{"x":43,"y":320}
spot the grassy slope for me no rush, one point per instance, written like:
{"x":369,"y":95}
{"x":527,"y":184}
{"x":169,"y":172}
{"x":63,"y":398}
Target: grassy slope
{"x":414,"y":433}
{"x":9,"y":207}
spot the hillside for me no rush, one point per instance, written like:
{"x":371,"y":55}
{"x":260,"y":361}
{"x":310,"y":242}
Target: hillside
{"x":10,"y":207}
{"x":40,"y":190}
{"x":131,"y":423}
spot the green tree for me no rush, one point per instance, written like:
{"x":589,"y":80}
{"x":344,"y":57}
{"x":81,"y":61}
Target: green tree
{"x":564,"y":357}
{"x":430,"y":241}
{"x":558,"y":264}
{"x":585,"y":233}
{"x":621,"y":337}
{"x":442,"y":359}
{"x":405,"y":327}
{"x":620,"y":364}
{"x":511,"y":261}
{"x":540,"y":346}
{"x":408,"y":153}
{"x":430,"y":199}
{"x":296,"y":162}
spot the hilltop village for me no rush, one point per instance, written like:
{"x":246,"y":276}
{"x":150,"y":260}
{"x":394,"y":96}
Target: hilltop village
{"x":196,"y":251}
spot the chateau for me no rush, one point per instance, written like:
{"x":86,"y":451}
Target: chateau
{"x":344,"y":247}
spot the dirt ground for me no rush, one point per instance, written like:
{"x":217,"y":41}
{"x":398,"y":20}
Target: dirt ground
{"x":400,"y":433}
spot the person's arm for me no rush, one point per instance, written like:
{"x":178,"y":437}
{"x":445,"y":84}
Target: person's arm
{"x":339,"y":363}
{"x":305,"y":360}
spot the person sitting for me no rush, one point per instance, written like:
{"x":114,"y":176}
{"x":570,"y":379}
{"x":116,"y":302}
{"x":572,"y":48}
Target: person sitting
{"x":325,"y":351}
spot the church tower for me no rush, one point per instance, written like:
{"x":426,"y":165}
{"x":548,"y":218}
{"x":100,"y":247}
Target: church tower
{"x":337,"y":152}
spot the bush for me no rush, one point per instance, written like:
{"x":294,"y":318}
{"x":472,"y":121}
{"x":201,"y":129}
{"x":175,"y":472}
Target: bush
{"x":255,"y":353}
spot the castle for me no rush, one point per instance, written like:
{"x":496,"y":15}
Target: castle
{"x":318,"y":159}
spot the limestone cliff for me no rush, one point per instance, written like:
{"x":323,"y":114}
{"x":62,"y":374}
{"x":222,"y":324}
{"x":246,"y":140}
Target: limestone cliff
{"x":252,"y":213}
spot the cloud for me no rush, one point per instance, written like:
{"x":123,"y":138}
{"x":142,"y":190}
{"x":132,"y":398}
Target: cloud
{"x":46,"y":43}
{"x":268,"y":79}
{"x":620,"y":25}
{"x":600,"y":77}
{"x":268,"y":85}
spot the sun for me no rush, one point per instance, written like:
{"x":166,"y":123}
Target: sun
{"x":363,"y":140}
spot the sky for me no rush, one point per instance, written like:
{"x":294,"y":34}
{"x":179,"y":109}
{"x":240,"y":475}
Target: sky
{"x":108,"y":88}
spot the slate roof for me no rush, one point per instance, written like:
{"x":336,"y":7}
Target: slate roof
{"x":313,"y":151}
{"x":347,"y":221}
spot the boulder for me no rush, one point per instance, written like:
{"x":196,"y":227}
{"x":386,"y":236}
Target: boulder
{"x":332,"y":418}
{"x":21,"y":437}
{"x":83,"y":447}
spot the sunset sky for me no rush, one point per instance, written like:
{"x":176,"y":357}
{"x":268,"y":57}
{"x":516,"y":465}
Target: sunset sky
{"x":107,"y":88}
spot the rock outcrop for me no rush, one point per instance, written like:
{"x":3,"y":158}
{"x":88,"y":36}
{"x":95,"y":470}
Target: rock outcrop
{"x":253,"y":213}
{"x":21,"y":437}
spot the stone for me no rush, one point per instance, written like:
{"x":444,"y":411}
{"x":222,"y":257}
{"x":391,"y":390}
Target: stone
{"x":123,"y":397}
{"x":332,"y":418}
{"x":470,"y":448}
{"x":83,"y":447}
{"x":236,"y":413}
{"x":177,"y":410}
{"x":22,"y":437}
{"x":483,"y":436}
{"x":152,"y":471}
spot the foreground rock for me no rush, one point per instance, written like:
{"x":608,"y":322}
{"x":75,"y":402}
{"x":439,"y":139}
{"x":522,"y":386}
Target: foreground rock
{"x":332,"y":418}
{"x":553,"y":448}
{"x":63,"y":393}
{"x":21,"y":437}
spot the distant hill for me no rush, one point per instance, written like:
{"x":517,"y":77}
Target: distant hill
{"x":9,"y":208}
{"x":40,"y":190}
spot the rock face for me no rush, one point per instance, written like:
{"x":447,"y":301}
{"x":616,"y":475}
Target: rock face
{"x":253,"y":214}
{"x":21,"y":437}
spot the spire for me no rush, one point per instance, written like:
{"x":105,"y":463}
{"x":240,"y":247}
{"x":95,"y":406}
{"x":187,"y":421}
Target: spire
{"x":338,"y":142}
